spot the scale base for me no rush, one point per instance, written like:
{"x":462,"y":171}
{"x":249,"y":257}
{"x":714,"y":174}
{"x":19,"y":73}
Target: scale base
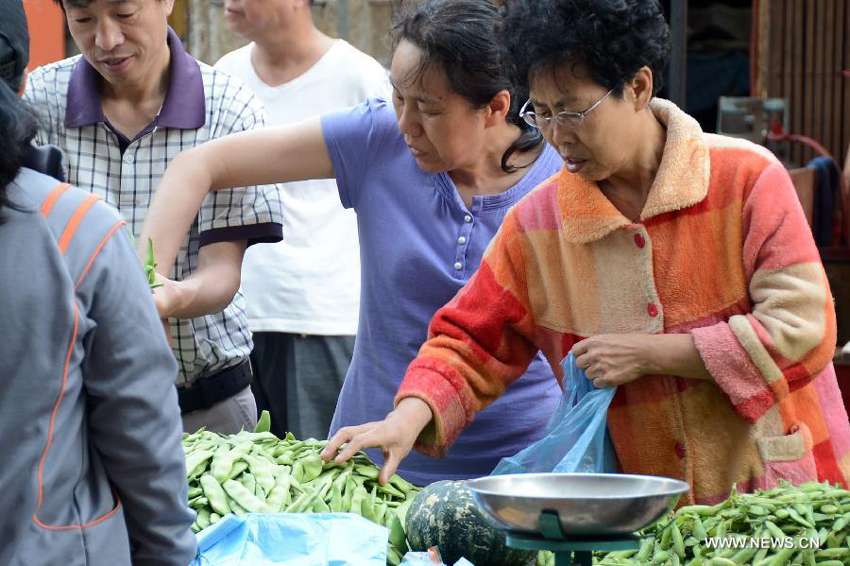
{"x":568,"y":550}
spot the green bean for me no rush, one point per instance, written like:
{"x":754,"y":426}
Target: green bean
{"x":678,"y":543}
{"x":702,"y":510}
{"x":248,"y":481}
{"x":264,"y":423}
{"x":238,"y":467}
{"x":300,"y":502}
{"x":215,"y":494}
{"x":645,"y":548}
{"x":237,"y":509}
{"x":781,"y":557}
{"x":833,"y":553}
{"x":262,"y":471}
{"x":222,"y":462}
{"x":312,"y":465}
{"x":401,"y":484}
{"x":795,"y":515}
{"x":319,"y":506}
{"x":243,"y":497}
{"x":203,"y":518}
{"x":774,"y":530}
{"x":196,"y":462}
{"x":298,"y":470}
{"x":278,"y":497}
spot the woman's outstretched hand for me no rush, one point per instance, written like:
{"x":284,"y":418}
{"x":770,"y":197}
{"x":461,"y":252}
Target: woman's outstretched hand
{"x":395,"y":435}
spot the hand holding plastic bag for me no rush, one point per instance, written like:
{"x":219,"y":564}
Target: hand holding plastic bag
{"x":576,"y":438}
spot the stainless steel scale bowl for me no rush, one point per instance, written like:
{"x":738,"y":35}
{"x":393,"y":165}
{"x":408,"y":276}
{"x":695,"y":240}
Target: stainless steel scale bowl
{"x":587,"y":505}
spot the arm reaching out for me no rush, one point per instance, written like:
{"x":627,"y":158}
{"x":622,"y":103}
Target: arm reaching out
{"x":256,"y":157}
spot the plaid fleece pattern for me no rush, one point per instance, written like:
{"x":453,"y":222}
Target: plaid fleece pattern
{"x":722,"y":251}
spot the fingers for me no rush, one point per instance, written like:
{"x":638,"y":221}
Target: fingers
{"x":580,"y":348}
{"x":391,"y":463}
{"x":331,"y":449}
{"x":584,"y":361}
{"x":342,"y":436}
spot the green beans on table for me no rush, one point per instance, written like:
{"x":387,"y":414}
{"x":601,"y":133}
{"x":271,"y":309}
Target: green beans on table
{"x":257,"y":472}
{"x":770,"y":526}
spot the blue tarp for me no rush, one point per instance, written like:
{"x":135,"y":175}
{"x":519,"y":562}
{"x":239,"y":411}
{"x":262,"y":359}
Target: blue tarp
{"x":294,"y":539}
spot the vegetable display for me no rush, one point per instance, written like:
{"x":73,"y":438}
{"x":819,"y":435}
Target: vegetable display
{"x":806,"y":525}
{"x":257,"y":472}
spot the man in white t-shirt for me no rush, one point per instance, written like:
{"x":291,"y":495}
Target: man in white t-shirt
{"x":302,"y":293}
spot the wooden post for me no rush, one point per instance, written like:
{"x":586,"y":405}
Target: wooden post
{"x":677,"y":88}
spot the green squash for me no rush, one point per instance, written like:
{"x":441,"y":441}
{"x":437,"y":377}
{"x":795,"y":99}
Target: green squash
{"x":444,"y":515}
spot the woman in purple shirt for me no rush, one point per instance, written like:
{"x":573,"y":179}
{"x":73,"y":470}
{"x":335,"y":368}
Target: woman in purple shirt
{"x":431,"y":176}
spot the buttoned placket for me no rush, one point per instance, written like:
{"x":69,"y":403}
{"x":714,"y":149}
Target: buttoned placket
{"x":464,"y":235}
{"x":640,"y":241}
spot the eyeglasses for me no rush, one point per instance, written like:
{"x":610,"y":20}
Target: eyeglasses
{"x":564,"y":118}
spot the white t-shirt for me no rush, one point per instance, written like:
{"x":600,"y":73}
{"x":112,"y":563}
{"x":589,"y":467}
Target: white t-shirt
{"x":310,"y":282}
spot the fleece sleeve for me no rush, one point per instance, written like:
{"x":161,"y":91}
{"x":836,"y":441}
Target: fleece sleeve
{"x":789,"y":335}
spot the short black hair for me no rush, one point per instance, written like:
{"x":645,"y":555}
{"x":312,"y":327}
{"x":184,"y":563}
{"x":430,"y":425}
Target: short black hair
{"x":18,"y":126}
{"x":458,"y":37}
{"x":611,"y":39}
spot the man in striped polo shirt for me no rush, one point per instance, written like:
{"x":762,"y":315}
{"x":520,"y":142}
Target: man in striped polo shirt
{"x":121,"y":111}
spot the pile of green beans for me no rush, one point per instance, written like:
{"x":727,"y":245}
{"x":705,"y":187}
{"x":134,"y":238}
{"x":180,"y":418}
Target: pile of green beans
{"x":812,"y":511}
{"x":257,"y":472}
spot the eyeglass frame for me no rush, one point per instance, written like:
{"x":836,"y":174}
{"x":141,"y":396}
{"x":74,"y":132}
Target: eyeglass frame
{"x":560,"y":117}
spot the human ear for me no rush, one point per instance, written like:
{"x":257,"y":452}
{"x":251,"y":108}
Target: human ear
{"x":498,"y":108}
{"x":640,"y":88}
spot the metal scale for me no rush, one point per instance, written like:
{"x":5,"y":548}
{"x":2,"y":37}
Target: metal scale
{"x":573,"y":515}
{"x":569,"y":550}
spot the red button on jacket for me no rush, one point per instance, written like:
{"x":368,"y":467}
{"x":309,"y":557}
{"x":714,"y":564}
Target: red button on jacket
{"x":652,"y":310}
{"x":640,"y":240}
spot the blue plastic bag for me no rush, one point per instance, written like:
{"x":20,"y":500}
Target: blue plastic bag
{"x":294,"y":539}
{"x":576,"y":438}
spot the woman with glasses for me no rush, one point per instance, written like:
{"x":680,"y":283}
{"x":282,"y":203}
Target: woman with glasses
{"x":431,"y":175}
{"x":675,"y":265}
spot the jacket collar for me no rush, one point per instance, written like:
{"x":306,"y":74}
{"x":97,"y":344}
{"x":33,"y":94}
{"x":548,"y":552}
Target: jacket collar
{"x":681,"y":181}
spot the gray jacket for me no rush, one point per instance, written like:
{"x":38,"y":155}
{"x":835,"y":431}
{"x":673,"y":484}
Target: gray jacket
{"x":92,"y":470}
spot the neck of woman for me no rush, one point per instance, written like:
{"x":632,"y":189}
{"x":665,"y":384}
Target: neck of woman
{"x":484,"y":175}
{"x":628,"y":189}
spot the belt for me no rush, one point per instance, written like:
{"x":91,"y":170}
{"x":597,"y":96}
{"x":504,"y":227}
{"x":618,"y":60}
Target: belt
{"x":212,"y":389}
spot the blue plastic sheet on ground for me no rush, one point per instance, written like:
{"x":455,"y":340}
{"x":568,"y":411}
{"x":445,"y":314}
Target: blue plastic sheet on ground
{"x":294,"y":539}
{"x":576,"y":438}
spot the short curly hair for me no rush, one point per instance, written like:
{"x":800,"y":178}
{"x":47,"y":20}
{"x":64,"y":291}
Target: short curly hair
{"x":612,"y":39}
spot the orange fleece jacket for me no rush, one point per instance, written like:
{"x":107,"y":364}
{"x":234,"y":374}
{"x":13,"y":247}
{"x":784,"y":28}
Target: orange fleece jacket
{"x":722,"y":251}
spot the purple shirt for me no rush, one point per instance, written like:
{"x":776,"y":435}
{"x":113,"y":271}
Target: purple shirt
{"x":419,"y":244}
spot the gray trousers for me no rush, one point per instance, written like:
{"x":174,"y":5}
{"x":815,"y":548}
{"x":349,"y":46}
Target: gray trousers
{"x":227,"y":417}
{"x":297,"y":378}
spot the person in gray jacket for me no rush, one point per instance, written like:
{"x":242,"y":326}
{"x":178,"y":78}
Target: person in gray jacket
{"x":93,"y":470}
